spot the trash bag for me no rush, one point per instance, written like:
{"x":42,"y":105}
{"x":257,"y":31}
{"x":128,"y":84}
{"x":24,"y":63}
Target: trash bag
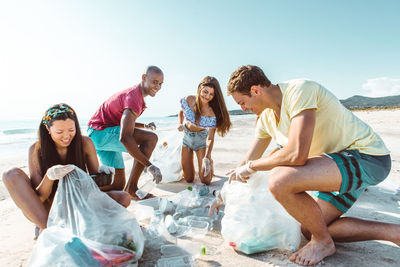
{"x":167,"y":156}
{"x":60,"y":247}
{"x":254,"y":221}
{"x":79,"y":208}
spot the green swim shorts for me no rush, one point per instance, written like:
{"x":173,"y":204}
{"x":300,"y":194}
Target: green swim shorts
{"x":358,"y":171}
{"x":108,"y":147}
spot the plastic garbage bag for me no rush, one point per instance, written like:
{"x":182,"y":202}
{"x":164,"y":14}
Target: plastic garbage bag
{"x":81,"y":209}
{"x":167,"y":156}
{"x":254,"y":221}
{"x":59,"y":247}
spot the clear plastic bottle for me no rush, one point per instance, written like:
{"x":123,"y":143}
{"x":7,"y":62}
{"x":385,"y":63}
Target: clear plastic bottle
{"x":145,"y":189}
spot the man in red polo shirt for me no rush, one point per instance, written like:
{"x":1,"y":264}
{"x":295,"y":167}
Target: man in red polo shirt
{"x":113,"y":129}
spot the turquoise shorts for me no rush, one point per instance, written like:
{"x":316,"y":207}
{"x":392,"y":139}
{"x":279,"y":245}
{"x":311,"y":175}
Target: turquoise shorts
{"x":108,"y":146}
{"x":358,"y":171}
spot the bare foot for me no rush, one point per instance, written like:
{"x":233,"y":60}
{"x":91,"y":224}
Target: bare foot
{"x":397,"y":236}
{"x":313,"y":252}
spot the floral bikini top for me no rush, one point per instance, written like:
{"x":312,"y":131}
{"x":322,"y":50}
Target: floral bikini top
{"x":204,"y":122}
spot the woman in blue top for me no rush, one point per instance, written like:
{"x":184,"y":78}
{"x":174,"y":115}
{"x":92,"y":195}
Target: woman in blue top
{"x":203,"y":114}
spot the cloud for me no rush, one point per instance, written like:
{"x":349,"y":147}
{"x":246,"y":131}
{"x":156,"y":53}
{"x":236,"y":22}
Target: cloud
{"x":382,"y":86}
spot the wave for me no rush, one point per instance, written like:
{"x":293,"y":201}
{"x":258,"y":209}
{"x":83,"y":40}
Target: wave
{"x":18,"y":131}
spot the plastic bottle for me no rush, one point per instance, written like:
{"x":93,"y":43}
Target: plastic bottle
{"x":186,"y":260}
{"x":145,"y":189}
{"x":170,"y":224}
{"x":80,"y":253}
{"x":256,"y":245}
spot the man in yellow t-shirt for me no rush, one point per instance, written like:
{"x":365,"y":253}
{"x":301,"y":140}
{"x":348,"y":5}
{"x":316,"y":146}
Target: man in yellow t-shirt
{"x":323,"y":147}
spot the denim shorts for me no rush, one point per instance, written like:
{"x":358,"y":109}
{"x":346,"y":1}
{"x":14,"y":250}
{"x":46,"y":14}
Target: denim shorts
{"x":358,"y":171}
{"x":108,"y":146}
{"x":195,"y":140}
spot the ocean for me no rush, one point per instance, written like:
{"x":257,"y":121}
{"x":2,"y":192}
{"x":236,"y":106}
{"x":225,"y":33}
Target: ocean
{"x":16,"y":136}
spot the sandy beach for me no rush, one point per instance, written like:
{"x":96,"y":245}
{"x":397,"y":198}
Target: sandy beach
{"x":380,"y":203}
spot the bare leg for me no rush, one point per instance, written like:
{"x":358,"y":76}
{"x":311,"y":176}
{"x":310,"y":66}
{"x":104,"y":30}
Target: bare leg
{"x":119,"y":181}
{"x":288,"y":185}
{"x":348,"y":229}
{"x":19,"y":186}
{"x":200,"y":154}
{"x":147,"y":141}
{"x":123,"y":198}
{"x":187,"y":164}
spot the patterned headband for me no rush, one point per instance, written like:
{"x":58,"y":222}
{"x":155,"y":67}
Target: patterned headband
{"x":53,"y":112}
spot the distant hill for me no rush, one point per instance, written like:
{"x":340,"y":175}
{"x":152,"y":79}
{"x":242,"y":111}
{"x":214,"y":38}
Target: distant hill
{"x":363,"y":102}
{"x":354,"y":102}
{"x":239,"y":112}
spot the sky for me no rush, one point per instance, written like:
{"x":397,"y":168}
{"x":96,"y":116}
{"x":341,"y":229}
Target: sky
{"x":82,"y":52}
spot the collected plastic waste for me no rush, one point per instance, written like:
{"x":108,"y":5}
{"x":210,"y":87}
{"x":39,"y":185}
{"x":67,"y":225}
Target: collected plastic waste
{"x":166,"y":206}
{"x":83,"y":216}
{"x":181,"y":261}
{"x":254,"y":221}
{"x":167,"y":155}
{"x":145,"y":189}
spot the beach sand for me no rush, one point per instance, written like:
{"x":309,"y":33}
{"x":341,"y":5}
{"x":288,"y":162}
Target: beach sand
{"x":380,"y":203}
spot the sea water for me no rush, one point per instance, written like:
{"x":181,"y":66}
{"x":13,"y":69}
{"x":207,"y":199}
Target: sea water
{"x":16,"y":136}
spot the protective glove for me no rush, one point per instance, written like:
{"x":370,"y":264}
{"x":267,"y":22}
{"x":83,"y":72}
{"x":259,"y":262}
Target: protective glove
{"x":155,"y":171}
{"x":57,"y":172}
{"x":180,"y":127}
{"x":206,"y":166}
{"x":106,"y":169}
{"x":150,"y":126}
{"x":215,"y":204}
{"x":241,"y":173}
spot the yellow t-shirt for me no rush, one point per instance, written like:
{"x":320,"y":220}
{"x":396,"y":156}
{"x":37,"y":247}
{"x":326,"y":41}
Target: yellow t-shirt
{"x":336,"y":128}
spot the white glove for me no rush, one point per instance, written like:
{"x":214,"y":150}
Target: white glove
{"x":180,"y":127}
{"x":106,"y":169}
{"x":57,"y":172}
{"x":155,"y":171}
{"x":150,"y":126}
{"x":206,"y":166}
{"x":216,"y":203}
{"x":241,"y":173}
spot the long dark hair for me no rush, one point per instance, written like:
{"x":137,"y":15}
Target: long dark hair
{"x":46,"y":148}
{"x":217,"y":104}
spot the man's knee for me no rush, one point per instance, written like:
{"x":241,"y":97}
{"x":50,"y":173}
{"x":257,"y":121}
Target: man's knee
{"x":12,"y":175}
{"x":280,"y":182}
{"x":153,"y":139}
{"x":125,"y":199}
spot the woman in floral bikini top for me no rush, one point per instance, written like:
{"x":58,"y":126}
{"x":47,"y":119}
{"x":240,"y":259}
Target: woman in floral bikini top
{"x":199,"y":118}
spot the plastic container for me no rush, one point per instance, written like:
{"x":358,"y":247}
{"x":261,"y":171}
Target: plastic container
{"x":198,"y":229}
{"x":172,"y":251}
{"x":145,"y":189}
{"x":166,"y":206}
{"x":80,"y":253}
{"x":256,"y":245}
{"x":181,"y":261}
{"x":170,"y":224}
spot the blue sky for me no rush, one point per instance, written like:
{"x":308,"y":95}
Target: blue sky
{"x":81,"y":52}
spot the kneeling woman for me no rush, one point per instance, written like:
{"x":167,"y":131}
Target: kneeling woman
{"x":60,"y":142}
{"x":204,"y":114}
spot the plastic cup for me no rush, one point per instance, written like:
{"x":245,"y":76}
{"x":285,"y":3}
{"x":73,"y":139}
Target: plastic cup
{"x":166,"y":206}
{"x":145,"y":189}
